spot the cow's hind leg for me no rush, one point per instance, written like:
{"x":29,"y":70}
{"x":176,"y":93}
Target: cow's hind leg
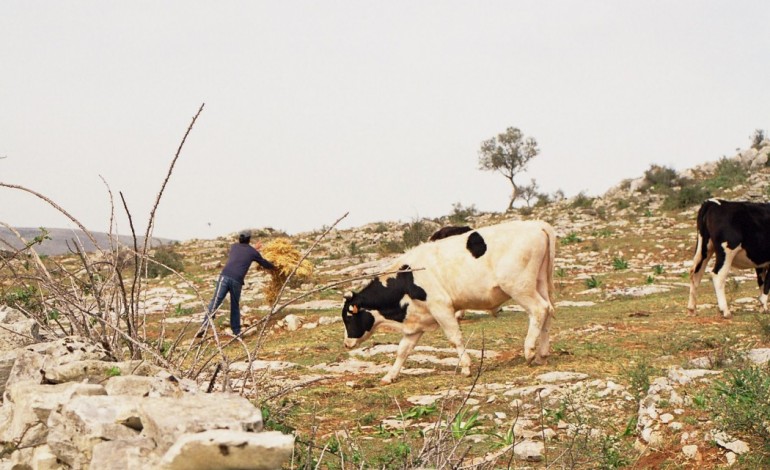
{"x":544,"y":342}
{"x":724,"y":259}
{"x":537,"y":342}
{"x":405,"y":347}
{"x":703,"y":252}
{"x":763,"y":278}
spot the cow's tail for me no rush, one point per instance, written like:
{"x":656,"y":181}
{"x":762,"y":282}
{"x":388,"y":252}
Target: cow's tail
{"x":701,"y":247}
{"x":548,"y":262}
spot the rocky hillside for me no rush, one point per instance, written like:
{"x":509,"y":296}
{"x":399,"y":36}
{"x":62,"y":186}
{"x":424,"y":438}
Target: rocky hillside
{"x":631,"y":383}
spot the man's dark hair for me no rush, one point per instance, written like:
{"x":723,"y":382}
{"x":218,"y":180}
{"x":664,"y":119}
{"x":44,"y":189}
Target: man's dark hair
{"x":244,"y":236}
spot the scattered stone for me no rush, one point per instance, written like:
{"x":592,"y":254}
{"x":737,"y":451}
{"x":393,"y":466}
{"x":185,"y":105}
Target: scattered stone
{"x":530,"y":451}
{"x":222,"y":448}
{"x":551,"y":377}
{"x":691,"y":452}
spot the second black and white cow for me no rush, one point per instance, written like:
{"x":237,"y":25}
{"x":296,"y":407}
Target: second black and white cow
{"x":738,"y":232}
{"x":480,"y":269}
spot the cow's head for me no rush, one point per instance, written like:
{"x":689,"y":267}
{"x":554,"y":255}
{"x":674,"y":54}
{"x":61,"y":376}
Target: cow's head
{"x":359,"y":322}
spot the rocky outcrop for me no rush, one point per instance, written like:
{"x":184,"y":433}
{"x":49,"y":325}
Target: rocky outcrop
{"x":68,"y":405}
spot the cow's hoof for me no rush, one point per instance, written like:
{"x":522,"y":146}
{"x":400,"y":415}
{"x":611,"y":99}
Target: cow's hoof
{"x":691,"y":312}
{"x":386,"y":380}
{"x":466,"y":371}
{"x":539,"y":361}
{"x":727,"y":315}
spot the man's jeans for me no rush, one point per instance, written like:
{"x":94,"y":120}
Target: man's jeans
{"x":227,"y":284}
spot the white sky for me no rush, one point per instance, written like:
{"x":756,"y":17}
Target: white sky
{"x":317,"y":108}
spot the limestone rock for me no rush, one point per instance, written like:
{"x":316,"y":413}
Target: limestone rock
{"x":225,"y":449}
{"x":32,"y":405}
{"x":17,"y":331}
{"x":166,"y":419}
{"x":531,"y":451}
{"x":94,"y":371}
{"x":124,"y":455}
{"x":84,"y":422}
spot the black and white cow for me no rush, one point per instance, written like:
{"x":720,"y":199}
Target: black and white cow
{"x":739,"y":233}
{"x":480,"y":269}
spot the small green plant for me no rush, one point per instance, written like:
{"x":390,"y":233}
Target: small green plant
{"x":553,"y":416}
{"x":593,"y":282}
{"x":367,"y":419}
{"x":619,"y":264}
{"x":657,"y":269}
{"x":764,"y":326}
{"x":741,"y":401}
{"x":560,"y":272}
{"x":180,"y":311}
{"x":639,"y":377}
{"x":419,"y":411}
{"x":571,"y":237}
{"x":649,"y":280}
{"x":700,"y":401}
{"x":612,"y":454}
{"x":25,"y":298}
{"x":464,"y":423}
{"x":508,"y":438}
{"x":603,"y":233}
{"x":113,"y":371}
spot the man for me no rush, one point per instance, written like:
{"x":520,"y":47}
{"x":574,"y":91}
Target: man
{"x":231,"y":281}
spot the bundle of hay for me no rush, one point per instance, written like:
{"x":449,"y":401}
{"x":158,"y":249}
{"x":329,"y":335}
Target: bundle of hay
{"x":285,"y":257}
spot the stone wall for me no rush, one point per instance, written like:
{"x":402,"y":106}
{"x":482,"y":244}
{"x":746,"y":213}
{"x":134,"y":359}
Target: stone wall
{"x":67,"y":405}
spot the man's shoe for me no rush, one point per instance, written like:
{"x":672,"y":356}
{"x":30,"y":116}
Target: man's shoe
{"x":200,"y":334}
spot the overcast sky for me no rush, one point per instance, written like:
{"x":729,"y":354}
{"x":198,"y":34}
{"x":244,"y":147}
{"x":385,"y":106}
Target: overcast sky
{"x":318,"y":108}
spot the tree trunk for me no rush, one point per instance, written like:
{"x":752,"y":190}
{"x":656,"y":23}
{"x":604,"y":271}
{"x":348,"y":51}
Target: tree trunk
{"x":514,"y":196}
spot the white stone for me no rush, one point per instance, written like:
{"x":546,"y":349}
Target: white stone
{"x":690,"y":451}
{"x":96,"y":419}
{"x":759,"y":355}
{"x":229,"y":449}
{"x":685,"y":376}
{"x":666,"y":418}
{"x":293,"y":322}
{"x":557,"y":376}
{"x":531,"y":451}
{"x":737,"y":446}
{"x":165,"y":419}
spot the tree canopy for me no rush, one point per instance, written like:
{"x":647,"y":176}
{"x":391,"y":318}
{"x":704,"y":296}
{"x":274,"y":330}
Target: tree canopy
{"x":508,"y":153}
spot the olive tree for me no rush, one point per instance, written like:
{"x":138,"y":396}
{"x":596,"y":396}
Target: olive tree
{"x":508,"y":153}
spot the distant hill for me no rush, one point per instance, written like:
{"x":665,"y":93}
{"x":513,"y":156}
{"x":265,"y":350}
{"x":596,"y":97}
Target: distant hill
{"x":59,"y":237}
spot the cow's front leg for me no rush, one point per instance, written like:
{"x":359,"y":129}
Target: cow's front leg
{"x":405,"y":347}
